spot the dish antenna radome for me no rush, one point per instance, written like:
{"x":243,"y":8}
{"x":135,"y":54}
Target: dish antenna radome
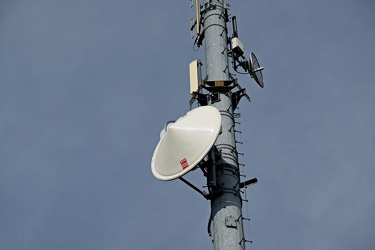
{"x":185,"y":143}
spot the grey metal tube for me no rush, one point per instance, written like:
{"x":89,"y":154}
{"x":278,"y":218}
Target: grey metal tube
{"x":215,"y":37}
{"x":226,"y":203}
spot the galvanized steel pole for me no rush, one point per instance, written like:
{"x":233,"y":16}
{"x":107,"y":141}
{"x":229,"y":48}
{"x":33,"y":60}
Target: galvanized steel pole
{"x":226,"y":203}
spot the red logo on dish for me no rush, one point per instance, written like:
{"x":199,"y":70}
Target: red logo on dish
{"x":184,"y":163}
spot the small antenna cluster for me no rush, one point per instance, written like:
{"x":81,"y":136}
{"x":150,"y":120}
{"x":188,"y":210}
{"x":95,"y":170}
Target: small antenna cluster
{"x":251,"y":65}
{"x":235,"y":51}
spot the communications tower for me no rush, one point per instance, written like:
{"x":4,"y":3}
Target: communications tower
{"x":205,"y":137}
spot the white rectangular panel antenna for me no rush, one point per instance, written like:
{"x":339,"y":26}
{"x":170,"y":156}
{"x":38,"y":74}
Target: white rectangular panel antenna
{"x":194,"y":78}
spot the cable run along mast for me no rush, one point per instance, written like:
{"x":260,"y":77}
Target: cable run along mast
{"x":205,"y":137}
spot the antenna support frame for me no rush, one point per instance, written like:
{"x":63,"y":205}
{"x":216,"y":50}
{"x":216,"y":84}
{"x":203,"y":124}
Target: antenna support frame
{"x":203,"y":193}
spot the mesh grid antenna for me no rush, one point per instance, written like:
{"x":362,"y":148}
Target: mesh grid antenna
{"x":256,"y":70}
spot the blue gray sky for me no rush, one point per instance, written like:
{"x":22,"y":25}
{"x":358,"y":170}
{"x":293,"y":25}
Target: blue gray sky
{"x":86,"y":87}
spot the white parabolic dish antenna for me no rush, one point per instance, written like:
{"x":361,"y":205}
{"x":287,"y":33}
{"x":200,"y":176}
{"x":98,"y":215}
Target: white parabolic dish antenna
{"x":185,"y":143}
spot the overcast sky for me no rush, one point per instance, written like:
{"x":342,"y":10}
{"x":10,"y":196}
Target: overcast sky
{"x":86,"y":87}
